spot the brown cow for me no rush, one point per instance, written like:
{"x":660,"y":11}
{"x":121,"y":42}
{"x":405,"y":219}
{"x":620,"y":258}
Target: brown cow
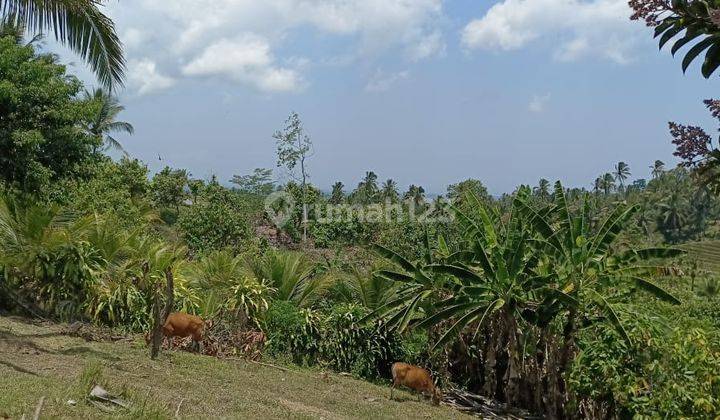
{"x":180,"y":324}
{"x":415,"y":378}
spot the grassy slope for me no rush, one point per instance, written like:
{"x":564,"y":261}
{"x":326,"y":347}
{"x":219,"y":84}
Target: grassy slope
{"x":39,"y":360}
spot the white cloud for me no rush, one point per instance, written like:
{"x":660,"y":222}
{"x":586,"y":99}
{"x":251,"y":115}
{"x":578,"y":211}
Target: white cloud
{"x":380,"y":22}
{"x":246,"y":59}
{"x":381,"y":82}
{"x":538,"y":102}
{"x":198,"y":37}
{"x":430,"y":45}
{"x":133,"y":38}
{"x":577,"y":28}
{"x":144,"y":77}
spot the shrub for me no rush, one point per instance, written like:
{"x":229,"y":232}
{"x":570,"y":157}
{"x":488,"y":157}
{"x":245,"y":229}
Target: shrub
{"x":335,"y":339}
{"x":672,"y":373}
{"x":292,"y":333}
{"x":365,"y":350}
{"x":217,"y":219}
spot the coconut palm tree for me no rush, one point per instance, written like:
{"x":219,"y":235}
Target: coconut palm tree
{"x":608,"y":183}
{"x":622,"y":172}
{"x":367,"y":189}
{"x":673,"y":215}
{"x":415,"y":194}
{"x":657,"y":169}
{"x":543,"y":189}
{"x":337,"y":195}
{"x":77,"y":24}
{"x":103,"y":121}
{"x":389,"y":191}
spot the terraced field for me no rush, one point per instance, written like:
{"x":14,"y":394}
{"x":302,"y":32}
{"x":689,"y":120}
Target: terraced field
{"x":706,"y":253}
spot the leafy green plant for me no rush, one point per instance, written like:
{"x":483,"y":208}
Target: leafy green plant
{"x":518,"y":278}
{"x":41,"y":139}
{"x":225,"y":285}
{"x":292,"y":332}
{"x":218,"y":218}
{"x":673,"y":374}
{"x":367,"y":351}
{"x":697,"y":21}
{"x":291,"y":275}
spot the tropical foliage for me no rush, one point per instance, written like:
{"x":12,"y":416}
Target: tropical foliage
{"x":79,"y":24}
{"x":522,"y":284}
{"x":564,"y":301}
{"x":693,"y":23}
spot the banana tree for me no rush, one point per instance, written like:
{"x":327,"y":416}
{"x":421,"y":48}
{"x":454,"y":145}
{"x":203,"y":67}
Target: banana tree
{"x":490,"y":283}
{"x":586,"y":264}
{"x":536,"y":268}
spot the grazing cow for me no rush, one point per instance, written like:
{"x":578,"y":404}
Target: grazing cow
{"x":415,"y":378}
{"x":180,"y":324}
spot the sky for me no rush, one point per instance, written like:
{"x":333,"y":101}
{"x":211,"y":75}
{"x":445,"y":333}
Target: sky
{"x":426,"y":92}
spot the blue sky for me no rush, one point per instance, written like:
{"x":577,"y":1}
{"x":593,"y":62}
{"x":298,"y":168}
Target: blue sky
{"x":428,"y":92}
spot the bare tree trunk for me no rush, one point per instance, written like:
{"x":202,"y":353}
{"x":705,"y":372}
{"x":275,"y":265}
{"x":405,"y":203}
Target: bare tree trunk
{"x":169,"y":293}
{"x":156,"y":335}
{"x":160,"y":318}
{"x":305,"y":220}
{"x":304,"y":199}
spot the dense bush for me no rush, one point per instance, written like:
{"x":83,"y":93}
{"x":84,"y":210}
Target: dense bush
{"x":340,"y":232}
{"x":218,"y":218}
{"x":334,"y":338}
{"x":366,"y":350}
{"x":112,"y":188}
{"x":292,"y":333}
{"x":671,"y":373}
{"x":41,"y":139}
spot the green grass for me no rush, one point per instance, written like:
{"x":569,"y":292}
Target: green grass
{"x":38,"y":360}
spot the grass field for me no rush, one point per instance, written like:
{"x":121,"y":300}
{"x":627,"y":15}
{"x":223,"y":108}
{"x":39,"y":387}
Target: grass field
{"x":39,"y":360}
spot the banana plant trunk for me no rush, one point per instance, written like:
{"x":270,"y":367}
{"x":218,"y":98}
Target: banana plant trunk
{"x":512,"y":373}
{"x":567,"y":354}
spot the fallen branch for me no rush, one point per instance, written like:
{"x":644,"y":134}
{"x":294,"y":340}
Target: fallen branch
{"x":39,"y":407}
{"x":177,"y":411}
{"x":482,"y":407}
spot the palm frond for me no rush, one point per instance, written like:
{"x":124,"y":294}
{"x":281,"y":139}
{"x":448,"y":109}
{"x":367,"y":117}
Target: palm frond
{"x":81,"y":26}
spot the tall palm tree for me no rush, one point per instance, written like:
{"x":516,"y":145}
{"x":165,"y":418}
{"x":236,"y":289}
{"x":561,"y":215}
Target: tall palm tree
{"x":598,"y":185}
{"x":78,"y":24}
{"x":608,"y":182}
{"x":543,"y":189}
{"x":367,"y":189}
{"x":416,"y":194}
{"x":103,"y":121}
{"x":673,"y":214}
{"x":622,"y":172}
{"x":657,"y":169}
{"x":337,"y":195}
{"x":389,"y":191}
